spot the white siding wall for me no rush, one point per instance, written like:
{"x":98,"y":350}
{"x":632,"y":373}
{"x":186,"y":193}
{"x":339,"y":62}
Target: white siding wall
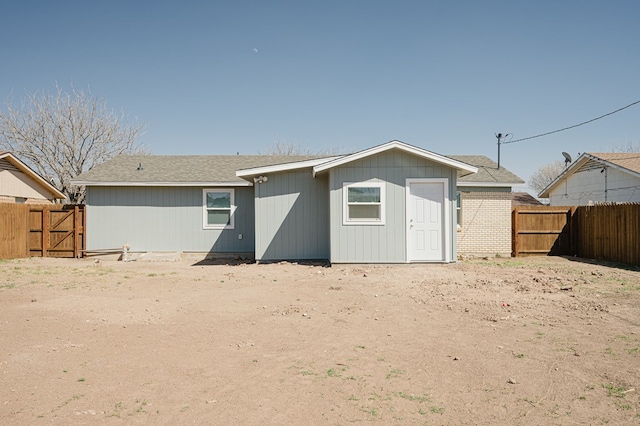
{"x":588,"y":186}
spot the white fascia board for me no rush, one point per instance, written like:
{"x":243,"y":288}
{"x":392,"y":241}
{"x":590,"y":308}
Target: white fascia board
{"x":245,"y":173}
{"x":207,"y":184}
{"x":395,"y":145}
{"x":27,"y":170}
{"x":489,"y":184}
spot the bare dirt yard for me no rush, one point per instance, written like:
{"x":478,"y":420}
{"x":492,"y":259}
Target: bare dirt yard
{"x":536,"y":340}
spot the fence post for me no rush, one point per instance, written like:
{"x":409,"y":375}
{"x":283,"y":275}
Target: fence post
{"x":76,"y":231}
{"x":84,"y":230}
{"x":514,"y":230}
{"x":46,"y":221}
{"x":572,"y":236}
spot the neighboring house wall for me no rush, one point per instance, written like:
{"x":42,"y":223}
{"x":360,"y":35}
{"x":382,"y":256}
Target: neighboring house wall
{"x":292,"y":216}
{"x":383,"y":243}
{"x":588,"y":187}
{"x":164,"y":219}
{"x":486,"y":222}
{"x":16,"y":185}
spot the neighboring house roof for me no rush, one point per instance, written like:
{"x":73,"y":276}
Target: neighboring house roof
{"x":523,"y":199}
{"x":10,"y":162}
{"x":488,"y":172}
{"x":622,"y":161}
{"x":463,"y":168}
{"x":629,"y":161}
{"x":180,"y":170}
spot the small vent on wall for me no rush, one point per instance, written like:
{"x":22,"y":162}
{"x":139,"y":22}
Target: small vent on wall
{"x":6,"y":165}
{"x":590,"y":165}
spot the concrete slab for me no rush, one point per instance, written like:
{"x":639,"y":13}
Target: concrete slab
{"x":154,"y":257}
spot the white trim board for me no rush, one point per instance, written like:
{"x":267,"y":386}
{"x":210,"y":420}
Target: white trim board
{"x":224,"y":184}
{"x":423,"y":153}
{"x":247,"y":173}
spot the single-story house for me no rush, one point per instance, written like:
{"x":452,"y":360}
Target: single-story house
{"x":593,"y":178}
{"x":20,"y":184}
{"x":392,"y":203}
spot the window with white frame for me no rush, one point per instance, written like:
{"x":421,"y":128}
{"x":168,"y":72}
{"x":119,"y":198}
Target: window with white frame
{"x":218,"y":208}
{"x":363,"y":203}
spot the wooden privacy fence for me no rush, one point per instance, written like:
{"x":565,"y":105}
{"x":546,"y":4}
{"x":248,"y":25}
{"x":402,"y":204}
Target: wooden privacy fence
{"x":541,"y":230}
{"x":605,"y":232}
{"x":608,"y":232}
{"x":41,"y":230}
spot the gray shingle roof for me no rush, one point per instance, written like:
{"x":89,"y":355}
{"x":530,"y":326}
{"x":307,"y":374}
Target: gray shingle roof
{"x":488,"y":171}
{"x":523,"y":199}
{"x":181,"y":168}
{"x":175,"y":169}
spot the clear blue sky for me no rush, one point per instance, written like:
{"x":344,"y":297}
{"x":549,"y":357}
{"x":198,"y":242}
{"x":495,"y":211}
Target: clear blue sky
{"x":220,"y":77}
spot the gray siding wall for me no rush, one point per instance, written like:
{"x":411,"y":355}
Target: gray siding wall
{"x":164,"y":219}
{"x":292,"y":216}
{"x":375,"y":243}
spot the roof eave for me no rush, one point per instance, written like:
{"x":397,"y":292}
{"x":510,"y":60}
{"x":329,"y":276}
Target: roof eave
{"x":490,"y":184}
{"x":255,"y":171}
{"x":183,"y":184}
{"x":565,"y":174}
{"x":614,"y":165}
{"x":27,"y":170}
{"x":395,"y":145}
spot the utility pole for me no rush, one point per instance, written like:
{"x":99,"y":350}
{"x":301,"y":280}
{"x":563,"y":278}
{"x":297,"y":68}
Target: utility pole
{"x":500,"y":136}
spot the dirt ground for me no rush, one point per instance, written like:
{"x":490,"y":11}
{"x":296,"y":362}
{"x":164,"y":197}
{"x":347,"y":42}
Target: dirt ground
{"x":489,"y":341}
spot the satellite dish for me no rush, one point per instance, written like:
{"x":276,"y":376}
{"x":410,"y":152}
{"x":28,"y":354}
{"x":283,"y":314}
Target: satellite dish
{"x":567,"y":158}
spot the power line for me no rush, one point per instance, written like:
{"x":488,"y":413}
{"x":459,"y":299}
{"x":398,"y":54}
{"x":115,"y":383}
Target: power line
{"x":575,"y":125}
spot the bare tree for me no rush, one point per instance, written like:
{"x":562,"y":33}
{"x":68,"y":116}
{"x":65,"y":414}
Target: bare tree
{"x":290,"y":148}
{"x":286,"y":148}
{"x":627,"y":148}
{"x":61,"y":135}
{"x":545,"y":175}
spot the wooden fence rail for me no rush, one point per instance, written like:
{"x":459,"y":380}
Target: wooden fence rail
{"x":604,"y":232}
{"x":41,"y":230}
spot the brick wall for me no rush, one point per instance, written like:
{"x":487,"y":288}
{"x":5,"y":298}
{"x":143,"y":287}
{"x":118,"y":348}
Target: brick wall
{"x":485,"y":224}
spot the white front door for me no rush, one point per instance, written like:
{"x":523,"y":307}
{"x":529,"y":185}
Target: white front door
{"x":425,"y":220}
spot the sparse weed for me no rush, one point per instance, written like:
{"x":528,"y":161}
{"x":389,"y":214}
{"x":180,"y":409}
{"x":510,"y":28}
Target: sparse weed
{"x":332,"y":373}
{"x":394,"y":373}
{"x":437,"y":410}
{"x":617,"y":391}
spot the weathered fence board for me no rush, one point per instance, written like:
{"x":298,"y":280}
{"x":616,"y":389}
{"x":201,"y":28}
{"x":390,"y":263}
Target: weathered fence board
{"x":13,"y":223}
{"x":41,"y":230}
{"x":609,"y":232}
